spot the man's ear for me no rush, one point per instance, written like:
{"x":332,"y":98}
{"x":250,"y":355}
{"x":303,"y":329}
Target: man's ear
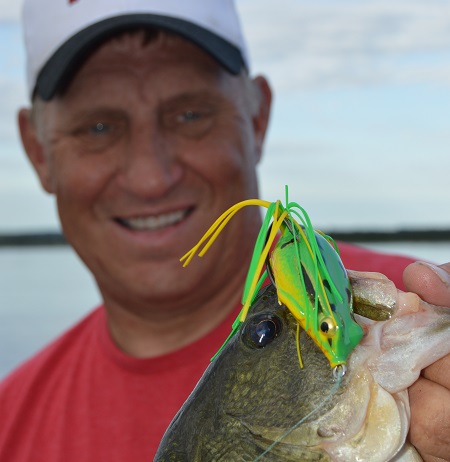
{"x":262,"y":115}
{"x":34,"y":148}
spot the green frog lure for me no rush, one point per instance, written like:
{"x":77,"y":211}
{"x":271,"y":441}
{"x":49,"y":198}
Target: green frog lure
{"x":305,"y":267}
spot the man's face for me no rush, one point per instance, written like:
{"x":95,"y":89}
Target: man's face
{"x":146,"y":148}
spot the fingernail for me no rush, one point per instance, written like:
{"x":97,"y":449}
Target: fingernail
{"x":443,"y":275}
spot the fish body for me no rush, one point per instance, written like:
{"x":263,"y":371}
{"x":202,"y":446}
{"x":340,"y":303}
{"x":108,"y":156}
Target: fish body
{"x":254,"y":402}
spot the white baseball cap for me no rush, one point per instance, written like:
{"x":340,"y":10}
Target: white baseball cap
{"x":59,"y":33}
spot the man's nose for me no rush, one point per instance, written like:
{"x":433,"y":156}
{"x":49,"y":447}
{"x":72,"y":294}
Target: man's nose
{"x":150,"y":166}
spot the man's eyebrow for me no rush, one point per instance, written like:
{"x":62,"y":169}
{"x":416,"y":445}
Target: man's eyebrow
{"x":195,"y":95}
{"x":200,"y":98}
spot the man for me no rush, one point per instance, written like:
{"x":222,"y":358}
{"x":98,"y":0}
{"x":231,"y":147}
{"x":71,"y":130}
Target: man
{"x":146,"y":127}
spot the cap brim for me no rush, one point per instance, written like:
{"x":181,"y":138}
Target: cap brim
{"x":65,"y":61}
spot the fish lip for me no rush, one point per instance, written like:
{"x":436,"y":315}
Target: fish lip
{"x":148,"y":222}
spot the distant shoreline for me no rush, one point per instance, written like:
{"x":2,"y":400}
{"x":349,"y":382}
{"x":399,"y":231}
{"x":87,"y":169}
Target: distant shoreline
{"x":413,"y":235}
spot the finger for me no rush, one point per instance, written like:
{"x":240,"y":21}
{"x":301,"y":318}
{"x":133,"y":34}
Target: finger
{"x":430,"y":282}
{"x":430,"y":419}
{"x":439,"y":372}
{"x":434,"y":459}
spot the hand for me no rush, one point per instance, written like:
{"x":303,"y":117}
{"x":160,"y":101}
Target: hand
{"x":430,"y":394}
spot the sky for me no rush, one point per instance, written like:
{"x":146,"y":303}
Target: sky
{"x":360,"y":128}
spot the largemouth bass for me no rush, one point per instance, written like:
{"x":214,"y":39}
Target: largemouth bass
{"x":254,"y":402}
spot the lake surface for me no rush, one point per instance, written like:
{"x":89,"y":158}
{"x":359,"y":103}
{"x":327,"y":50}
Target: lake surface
{"x":44,"y":290}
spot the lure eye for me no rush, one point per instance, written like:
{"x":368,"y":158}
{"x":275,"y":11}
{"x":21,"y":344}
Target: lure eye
{"x":328,"y":326}
{"x":261,"y":330}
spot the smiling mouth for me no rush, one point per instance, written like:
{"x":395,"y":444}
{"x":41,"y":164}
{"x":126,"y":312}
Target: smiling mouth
{"x":153,"y":222}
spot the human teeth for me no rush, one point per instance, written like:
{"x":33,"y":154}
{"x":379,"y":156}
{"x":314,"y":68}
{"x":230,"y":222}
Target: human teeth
{"x":154,"y":222}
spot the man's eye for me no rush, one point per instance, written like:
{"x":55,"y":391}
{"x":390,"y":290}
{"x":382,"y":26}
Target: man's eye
{"x":189,"y":116}
{"x":100,"y":128}
{"x":188,"y":121}
{"x":96,"y":135}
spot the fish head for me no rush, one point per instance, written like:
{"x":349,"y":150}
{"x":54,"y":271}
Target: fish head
{"x":256,"y":401}
{"x":302,"y":413}
{"x":264,"y":386}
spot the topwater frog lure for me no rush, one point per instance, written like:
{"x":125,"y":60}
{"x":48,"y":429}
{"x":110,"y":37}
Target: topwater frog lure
{"x":305,"y":267}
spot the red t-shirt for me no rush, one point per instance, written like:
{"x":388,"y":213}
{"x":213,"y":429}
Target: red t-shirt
{"x":82,"y":399}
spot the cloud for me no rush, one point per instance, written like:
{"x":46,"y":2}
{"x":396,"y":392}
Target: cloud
{"x":322,"y":43}
{"x":305,"y":44}
{"x":10,"y":9}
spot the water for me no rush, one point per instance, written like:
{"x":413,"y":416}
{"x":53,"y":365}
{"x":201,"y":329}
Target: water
{"x":44,"y":290}
{"x":433,"y":252}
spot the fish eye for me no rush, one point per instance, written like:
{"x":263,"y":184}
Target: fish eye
{"x":261,"y":330}
{"x":328,"y":326}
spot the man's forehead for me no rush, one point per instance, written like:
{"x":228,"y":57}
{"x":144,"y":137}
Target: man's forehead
{"x":144,"y":39}
{"x":151,"y":52}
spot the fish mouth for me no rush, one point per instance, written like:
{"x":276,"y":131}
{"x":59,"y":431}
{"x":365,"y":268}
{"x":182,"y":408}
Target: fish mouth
{"x":153,"y":222}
